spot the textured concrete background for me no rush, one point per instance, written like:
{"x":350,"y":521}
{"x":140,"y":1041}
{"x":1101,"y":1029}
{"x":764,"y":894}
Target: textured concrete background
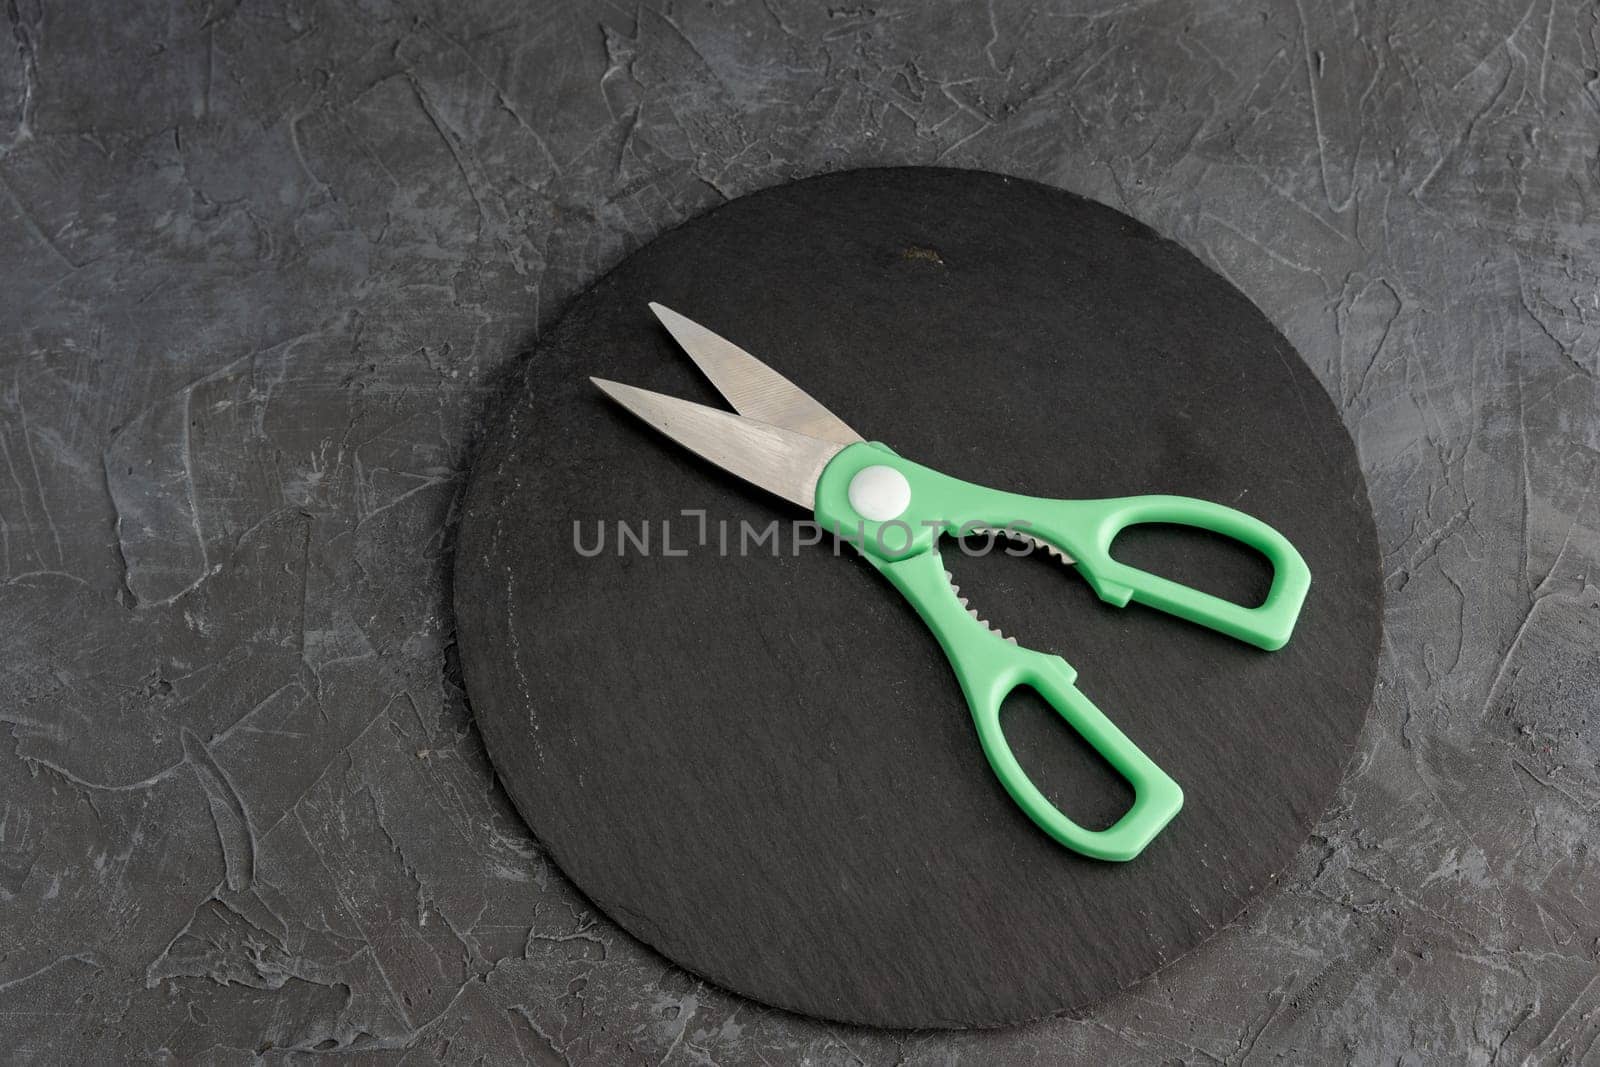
{"x":264,"y":264}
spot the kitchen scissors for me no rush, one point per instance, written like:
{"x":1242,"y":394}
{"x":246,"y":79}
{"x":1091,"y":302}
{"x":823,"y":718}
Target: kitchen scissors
{"x":893,"y":511}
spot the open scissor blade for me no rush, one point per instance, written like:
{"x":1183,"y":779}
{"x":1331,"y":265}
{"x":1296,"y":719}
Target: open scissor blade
{"x":754,"y":389}
{"x":778,"y":460}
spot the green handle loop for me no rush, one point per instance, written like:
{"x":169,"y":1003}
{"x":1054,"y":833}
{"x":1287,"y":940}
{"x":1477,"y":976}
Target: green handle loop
{"x":989,"y":668}
{"x":1085,"y":529}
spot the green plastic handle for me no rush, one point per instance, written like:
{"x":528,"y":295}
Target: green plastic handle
{"x":1083,"y":529}
{"x":989,"y":668}
{"x":904,"y":508}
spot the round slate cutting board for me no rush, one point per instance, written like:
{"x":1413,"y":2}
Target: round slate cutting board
{"x":759,"y":762}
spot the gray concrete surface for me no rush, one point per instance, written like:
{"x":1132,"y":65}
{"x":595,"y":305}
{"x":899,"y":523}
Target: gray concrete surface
{"x":263,"y":265}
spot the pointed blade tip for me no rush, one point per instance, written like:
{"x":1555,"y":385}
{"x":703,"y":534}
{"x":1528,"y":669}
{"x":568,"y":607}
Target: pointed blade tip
{"x":626,"y":395}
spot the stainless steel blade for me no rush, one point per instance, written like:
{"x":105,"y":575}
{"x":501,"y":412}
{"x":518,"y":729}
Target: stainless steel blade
{"x":780,"y":461}
{"x":754,"y":389}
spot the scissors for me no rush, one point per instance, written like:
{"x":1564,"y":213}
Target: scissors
{"x":893,"y":511}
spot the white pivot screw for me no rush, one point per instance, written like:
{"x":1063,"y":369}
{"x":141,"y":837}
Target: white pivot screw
{"x":879,"y":493}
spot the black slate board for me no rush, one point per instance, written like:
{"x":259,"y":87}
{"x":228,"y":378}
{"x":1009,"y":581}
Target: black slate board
{"x":762,"y":766}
